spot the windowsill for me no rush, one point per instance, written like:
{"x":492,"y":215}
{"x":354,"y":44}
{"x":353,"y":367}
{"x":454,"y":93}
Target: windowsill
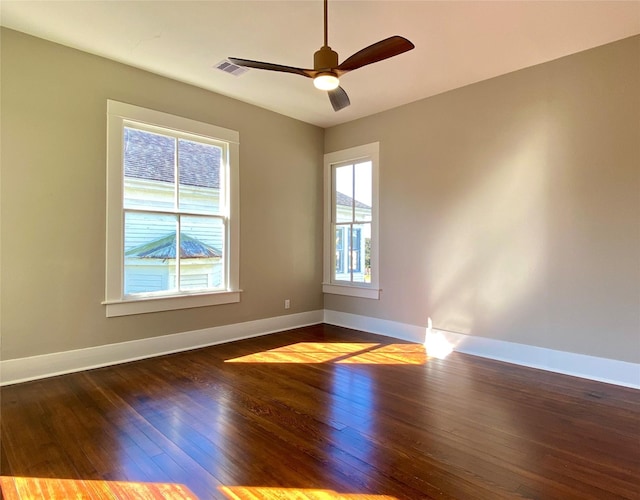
{"x":127,"y":307}
{"x":351,"y":290}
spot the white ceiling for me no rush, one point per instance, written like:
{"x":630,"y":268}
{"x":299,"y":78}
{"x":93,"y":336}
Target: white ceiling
{"x":457,"y":42}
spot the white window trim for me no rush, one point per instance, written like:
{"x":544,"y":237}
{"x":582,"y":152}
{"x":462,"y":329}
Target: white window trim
{"x":363,"y":290}
{"x":117,"y":305}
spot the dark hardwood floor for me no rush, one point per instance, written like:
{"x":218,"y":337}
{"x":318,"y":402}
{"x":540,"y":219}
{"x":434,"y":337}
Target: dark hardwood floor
{"x":326,"y":412}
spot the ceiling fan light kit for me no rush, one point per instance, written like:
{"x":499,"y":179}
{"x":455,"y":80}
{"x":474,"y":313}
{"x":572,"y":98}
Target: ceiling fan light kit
{"x":326,"y":70}
{"x":326,"y":81}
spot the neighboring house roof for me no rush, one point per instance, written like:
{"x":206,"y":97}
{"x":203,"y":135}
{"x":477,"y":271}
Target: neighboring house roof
{"x":151,"y":156}
{"x":347,"y":201}
{"x":165,"y":248}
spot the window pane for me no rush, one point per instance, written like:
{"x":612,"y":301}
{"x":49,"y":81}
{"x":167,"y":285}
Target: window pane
{"x":199,"y":174}
{"x":340,"y":253}
{"x":343,"y":195}
{"x":362,"y":176}
{"x":359,"y":255}
{"x":149,"y":252}
{"x":149,"y":169}
{"x":202,"y":253}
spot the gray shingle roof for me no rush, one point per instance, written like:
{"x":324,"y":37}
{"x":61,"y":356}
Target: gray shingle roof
{"x":151,"y":156}
{"x":346,"y":201}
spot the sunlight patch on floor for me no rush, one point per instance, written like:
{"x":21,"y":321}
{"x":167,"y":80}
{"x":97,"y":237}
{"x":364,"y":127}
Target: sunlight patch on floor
{"x":20,"y":488}
{"x":265,"y":493}
{"x":340,"y":353}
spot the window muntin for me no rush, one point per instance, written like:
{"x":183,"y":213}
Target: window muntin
{"x":172,"y":212}
{"x":351,"y":221}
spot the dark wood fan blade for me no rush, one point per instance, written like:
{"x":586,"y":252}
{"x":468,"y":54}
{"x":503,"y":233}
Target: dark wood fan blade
{"x":339,"y":98}
{"x":309,"y":73}
{"x":384,"y":49}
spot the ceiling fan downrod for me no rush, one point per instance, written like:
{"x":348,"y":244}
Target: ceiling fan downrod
{"x":326,"y":23}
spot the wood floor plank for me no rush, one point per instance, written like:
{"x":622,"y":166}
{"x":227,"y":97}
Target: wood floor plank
{"x":322,"y":412}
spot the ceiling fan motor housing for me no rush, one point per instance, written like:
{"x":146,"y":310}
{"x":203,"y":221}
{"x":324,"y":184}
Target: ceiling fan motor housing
{"x":325,"y":59}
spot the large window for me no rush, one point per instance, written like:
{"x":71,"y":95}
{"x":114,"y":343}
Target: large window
{"x":172,"y":218}
{"x":351,"y":222}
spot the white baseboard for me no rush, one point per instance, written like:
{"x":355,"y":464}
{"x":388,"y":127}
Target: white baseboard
{"x":578,"y":365}
{"x":611,"y":371}
{"x":13,"y":371}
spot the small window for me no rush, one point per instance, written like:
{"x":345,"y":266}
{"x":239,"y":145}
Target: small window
{"x":351,"y":222}
{"x":172,"y":218}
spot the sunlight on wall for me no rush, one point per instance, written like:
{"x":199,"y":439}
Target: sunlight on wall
{"x":340,"y":353}
{"x":436,"y":345}
{"x":264,"y":493}
{"x":488,"y":252}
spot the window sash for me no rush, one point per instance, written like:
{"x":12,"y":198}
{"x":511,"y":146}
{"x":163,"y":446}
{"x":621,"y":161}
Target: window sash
{"x":179,"y":136}
{"x":349,"y":253}
{"x":178,"y":289}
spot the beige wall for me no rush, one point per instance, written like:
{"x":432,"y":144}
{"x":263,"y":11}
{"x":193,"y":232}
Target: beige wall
{"x":53,"y":200}
{"x":510,"y":209}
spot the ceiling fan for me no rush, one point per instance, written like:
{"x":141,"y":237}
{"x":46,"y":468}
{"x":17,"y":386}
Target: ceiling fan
{"x":326,"y":70}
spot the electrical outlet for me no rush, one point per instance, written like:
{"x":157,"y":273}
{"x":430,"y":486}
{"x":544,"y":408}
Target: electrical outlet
{"x":287,"y":303}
